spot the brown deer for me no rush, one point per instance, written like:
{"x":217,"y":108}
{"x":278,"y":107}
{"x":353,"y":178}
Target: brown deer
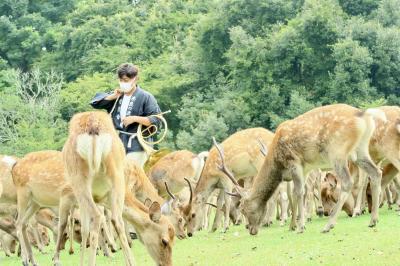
{"x":384,"y":148}
{"x":385,"y":143}
{"x":144,"y":190}
{"x":94,"y":164}
{"x":8,"y":194}
{"x":325,"y":137}
{"x":173,"y":168}
{"x":243,"y":158}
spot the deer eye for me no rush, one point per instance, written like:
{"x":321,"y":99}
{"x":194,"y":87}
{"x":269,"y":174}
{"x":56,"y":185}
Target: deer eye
{"x":165,"y":242}
{"x":193,"y":215}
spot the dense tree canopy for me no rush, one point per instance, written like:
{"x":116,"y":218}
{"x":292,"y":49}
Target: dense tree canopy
{"x":220,"y":66}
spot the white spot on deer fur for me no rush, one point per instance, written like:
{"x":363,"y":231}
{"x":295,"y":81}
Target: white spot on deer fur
{"x":9,"y":160}
{"x":376,"y":113}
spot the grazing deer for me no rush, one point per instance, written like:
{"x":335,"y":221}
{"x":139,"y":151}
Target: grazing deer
{"x":325,"y":137}
{"x":94,"y":164}
{"x":7,"y":241}
{"x":384,"y":148}
{"x":40,"y":181}
{"x":243,"y":158}
{"x":144,"y":190}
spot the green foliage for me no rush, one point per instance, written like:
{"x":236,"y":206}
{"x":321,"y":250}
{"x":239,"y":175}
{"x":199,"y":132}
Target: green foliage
{"x":77,"y":95}
{"x":350,"y":80}
{"x":220,"y":66}
{"x":30,"y":114}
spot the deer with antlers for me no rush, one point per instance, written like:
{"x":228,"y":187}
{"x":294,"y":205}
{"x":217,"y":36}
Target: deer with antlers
{"x":325,"y":137}
{"x":243,"y":158}
{"x":177,"y":170}
{"x":146,"y":193}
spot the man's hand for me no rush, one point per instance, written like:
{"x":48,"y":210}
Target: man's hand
{"x":136,"y":119}
{"x":117,"y":93}
{"x":129,"y":120}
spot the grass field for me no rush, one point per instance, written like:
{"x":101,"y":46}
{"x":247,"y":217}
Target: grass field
{"x":350,"y":243}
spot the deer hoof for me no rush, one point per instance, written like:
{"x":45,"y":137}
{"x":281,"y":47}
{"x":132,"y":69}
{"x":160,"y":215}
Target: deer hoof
{"x":327,"y":228}
{"x":373,"y":223}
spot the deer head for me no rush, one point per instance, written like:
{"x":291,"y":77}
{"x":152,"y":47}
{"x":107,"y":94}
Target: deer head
{"x":330,"y":190}
{"x":154,"y":229}
{"x":173,"y":209}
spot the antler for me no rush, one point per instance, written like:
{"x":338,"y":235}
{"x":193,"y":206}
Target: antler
{"x":168,"y":191}
{"x":233,"y":194}
{"x":212,"y":204}
{"x":191,"y":190}
{"x":223,"y":167}
{"x":263,"y":148}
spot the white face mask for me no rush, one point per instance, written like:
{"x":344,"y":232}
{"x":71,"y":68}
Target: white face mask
{"x":125,"y":86}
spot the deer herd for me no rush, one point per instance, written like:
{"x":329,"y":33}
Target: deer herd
{"x":329,"y":159}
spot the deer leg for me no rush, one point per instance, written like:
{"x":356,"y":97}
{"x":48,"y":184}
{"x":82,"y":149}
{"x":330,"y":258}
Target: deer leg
{"x":293,"y":207}
{"x":65,"y":208}
{"x":117,"y":198}
{"x":128,"y":236}
{"x":298,"y":191}
{"x":103,"y":243}
{"x":284,"y":203}
{"x":26,"y":208}
{"x":269,"y":214}
{"x":90,"y":221}
{"x":365,"y":163}
{"x":218,"y":212}
{"x":396,"y":182}
{"x":43,"y":221}
{"x":343,"y":173}
{"x":228,"y":202}
{"x":36,"y":236}
{"x":71,"y":231}
{"x":117,"y":221}
{"x":107,"y":233}
{"x":363,"y":180}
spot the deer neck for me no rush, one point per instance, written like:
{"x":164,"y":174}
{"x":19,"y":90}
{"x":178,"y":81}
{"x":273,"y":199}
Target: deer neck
{"x":267,"y":180}
{"x":136,"y":213}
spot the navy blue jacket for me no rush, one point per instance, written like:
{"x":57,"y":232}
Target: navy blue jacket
{"x":142,"y":103}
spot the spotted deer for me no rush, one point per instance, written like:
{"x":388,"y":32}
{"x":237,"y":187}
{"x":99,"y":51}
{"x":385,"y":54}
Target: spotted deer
{"x":94,"y":165}
{"x":173,"y":168}
{"x":243,"y":158}
{"x":144,"y":190}
{"x":384,"y":149}
{"x":325,"y":137}
{"x":40,"y":181}
{"x":385,"y":143}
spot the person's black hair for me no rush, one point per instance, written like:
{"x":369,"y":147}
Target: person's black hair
{"x":127,"y":69}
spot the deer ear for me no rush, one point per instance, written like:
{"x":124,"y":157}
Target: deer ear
{"x":331,"y":179}
{"x":155,"y":212}
{"x":147,"y":202}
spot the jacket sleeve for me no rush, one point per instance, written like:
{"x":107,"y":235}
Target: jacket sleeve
{"x":151,"y":108}
{"x":98,"y":102}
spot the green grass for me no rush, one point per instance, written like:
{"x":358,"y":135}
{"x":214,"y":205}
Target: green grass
{"x":350,"y":243}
